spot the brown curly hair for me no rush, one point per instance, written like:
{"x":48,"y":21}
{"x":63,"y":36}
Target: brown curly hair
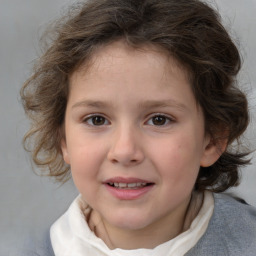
{"x":189,"y":30}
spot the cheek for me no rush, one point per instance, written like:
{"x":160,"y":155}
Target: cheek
{"x":84,"y":162}
{"x":84,"y":173}
{"x":178,"y":158}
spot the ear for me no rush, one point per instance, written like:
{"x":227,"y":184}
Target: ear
{"x":212,"y":151}
{"x":64,"y":150}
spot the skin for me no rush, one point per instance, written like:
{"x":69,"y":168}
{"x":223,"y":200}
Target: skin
{"x":132,"y":114}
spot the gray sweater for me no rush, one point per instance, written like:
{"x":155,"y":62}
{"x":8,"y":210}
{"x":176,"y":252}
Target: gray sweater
{"x":231,"y":232}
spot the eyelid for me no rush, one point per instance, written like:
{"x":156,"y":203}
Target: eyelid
{"x":90,"y":116}
{"x":170,"y":118}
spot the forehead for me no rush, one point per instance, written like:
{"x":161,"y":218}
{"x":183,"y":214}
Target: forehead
{"x":145,"y":73}
{"x":112,"y":56}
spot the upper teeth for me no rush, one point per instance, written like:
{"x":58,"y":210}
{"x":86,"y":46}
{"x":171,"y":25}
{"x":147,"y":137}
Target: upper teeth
{"x":128,"y":185}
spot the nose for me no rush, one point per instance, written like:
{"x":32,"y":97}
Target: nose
{"x":126,"y":147}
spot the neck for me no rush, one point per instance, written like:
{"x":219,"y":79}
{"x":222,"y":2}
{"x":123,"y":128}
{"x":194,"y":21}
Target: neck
{"x":148,"y":237}
{"x":162,"y":230}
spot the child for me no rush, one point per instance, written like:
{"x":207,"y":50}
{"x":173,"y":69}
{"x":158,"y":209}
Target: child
{"x":137,"y":100}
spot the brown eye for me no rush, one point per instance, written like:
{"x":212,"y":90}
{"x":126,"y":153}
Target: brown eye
{"x":159,"y":120}
{"x":96,"y":120}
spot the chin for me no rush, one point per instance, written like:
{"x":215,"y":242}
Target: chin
{"x":129,"y":221}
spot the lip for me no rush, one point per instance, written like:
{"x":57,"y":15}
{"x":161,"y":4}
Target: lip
{"x":128,"y":194}
{"x":126,"y":180}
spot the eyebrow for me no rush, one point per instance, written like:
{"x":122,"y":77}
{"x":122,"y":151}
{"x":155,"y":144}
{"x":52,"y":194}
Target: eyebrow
{"x":91,"y":103}
{"x":142,"y":105}
{"x":162,"y":103}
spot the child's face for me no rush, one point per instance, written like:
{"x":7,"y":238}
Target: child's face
{"x":134,"y":137}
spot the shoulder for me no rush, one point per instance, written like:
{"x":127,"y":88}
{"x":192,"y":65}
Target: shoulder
{"x":237,"y":216}
{"x":231,"y":230}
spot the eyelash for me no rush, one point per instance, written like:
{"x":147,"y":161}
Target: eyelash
{"x":89,"y":120}
{"x":164,"y":120}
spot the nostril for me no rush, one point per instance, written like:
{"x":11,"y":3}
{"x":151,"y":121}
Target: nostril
{"x":114,"y":161}
{"x":126,"y":155}
{"x":131,"y":161}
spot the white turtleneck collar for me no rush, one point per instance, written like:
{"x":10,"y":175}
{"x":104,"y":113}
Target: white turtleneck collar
{"x":72,"y":236}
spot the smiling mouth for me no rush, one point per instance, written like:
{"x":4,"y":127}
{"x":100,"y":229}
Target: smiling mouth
{"x":136,"y":185}
{"x":124,"y":188}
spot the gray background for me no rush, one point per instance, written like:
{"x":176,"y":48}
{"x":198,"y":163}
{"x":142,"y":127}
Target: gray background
{"x":29,"y":204}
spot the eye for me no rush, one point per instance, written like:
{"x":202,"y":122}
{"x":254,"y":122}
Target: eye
{"x":96,"y":120}
{"x":159,"y":120}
